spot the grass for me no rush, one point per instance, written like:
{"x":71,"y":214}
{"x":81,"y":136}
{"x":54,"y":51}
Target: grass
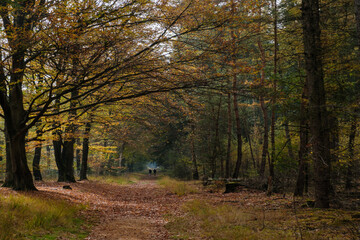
{"x":227,"y":222}
{"x":179,"y":188}
{"x":24,"y":217}
{"x":121,"y":180}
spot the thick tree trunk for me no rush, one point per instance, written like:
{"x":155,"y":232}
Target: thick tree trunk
{"x":19,"y":177}
{"x":68,"y":159}
{"x":9,"y":180}
{"x":85,"y":152}
{"x":317,"y":102}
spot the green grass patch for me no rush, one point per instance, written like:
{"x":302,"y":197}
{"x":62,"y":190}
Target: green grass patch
{"x":227,"y":222}
{"x":24,"y":217}
{"x":179,"y":188}
{"x":121,"y":180}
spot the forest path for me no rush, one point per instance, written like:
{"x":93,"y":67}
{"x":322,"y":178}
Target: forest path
{"x":128,"y":212}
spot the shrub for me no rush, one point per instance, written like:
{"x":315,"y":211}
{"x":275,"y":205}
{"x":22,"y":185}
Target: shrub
{"x":179,"y":188}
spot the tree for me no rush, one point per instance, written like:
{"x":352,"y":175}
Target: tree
{"x":317,"y":102}
{"x":115,"y":50}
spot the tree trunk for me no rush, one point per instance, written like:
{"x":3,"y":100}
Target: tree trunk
{"x":69,"y":142}
{"x":357,"y":17}
{"x":304,"y":140}
{"x":235,"y":100}
{"x":238,"y":130}
{"x":193,"y":154}
{"x":9,"y":181}
{"x":352,"y":134}
{"x":78,"y":156}
{"x":288,"y":138}
{"x":317,"y":102}
{"x":216,"y":141}
{"x":68,"y":158}
{"x":265,"y":150}
{"x":251,"y":151}
{"x":36,"y":163}
{"x":273,"y":102}
{"x":84,"y":161}
{"x":266,"y":138}
{"x":37,"y":156}
{"x":121,"y":152}
{"x":20,"y":177}
{"x":57,"y":143}
{"x":229,"y":127}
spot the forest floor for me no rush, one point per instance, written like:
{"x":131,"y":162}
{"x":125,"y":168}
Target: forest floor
{"x":146,"y":210}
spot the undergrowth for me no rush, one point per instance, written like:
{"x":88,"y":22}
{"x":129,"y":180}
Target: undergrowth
{"x":121,"y":180}
{"x":179,"y":188}
{"x":24,"y":217}
{"x":227,"y":222}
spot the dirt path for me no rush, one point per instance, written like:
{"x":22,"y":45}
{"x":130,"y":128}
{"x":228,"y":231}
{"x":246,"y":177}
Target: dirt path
{"x":128,"y":212}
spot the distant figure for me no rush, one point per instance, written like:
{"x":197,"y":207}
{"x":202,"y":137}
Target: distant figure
{"x":154,"y":172}
{"x":150,"y":172}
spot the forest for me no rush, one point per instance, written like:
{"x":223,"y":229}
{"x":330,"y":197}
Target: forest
{"x":256,"y":93}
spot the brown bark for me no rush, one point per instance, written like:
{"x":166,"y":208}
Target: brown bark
{"x":317,"y":102}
